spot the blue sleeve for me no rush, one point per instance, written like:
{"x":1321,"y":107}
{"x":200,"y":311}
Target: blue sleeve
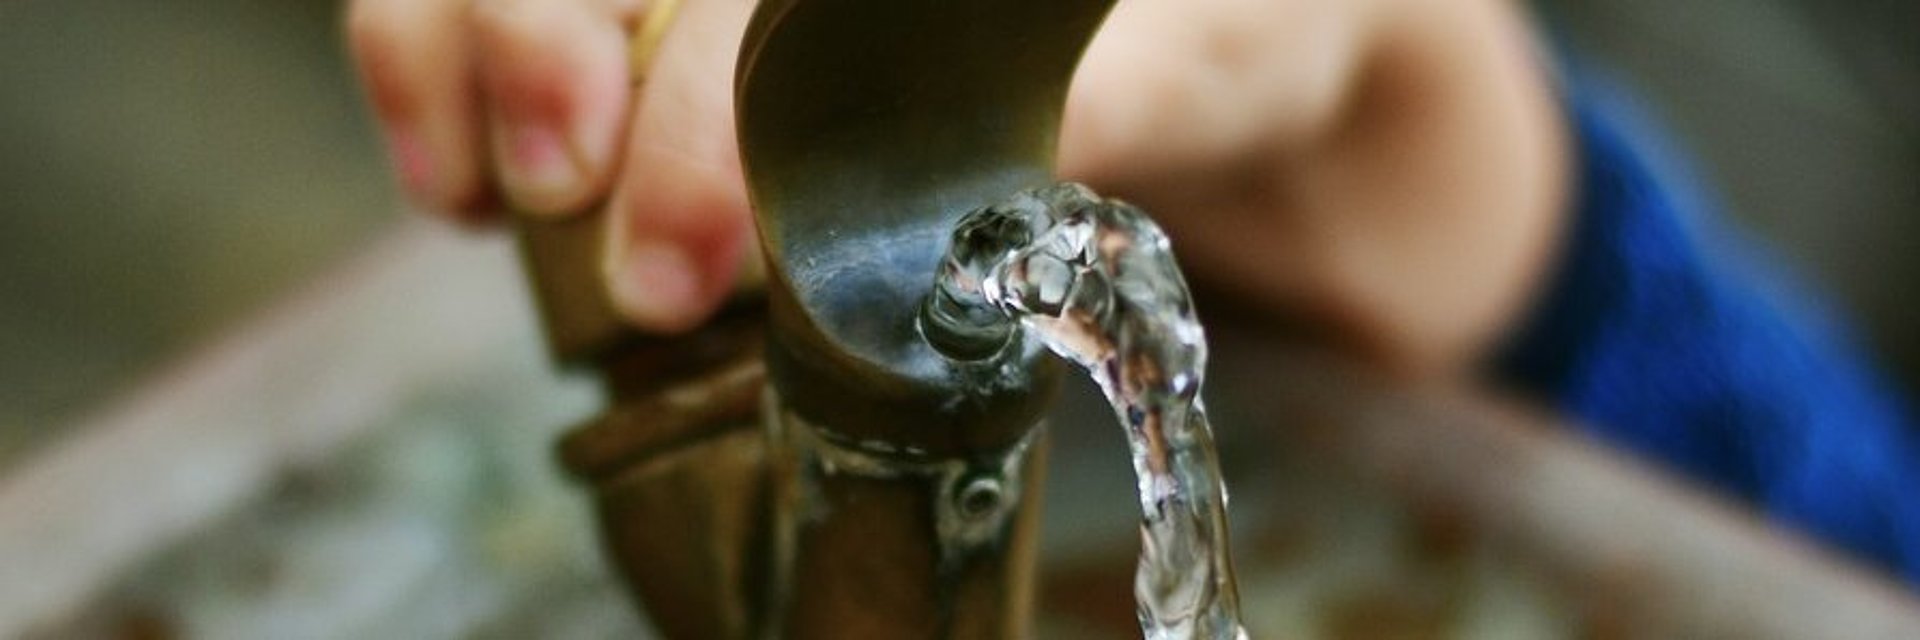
{"x":1669,"y":336}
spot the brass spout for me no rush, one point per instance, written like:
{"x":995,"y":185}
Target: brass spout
{"x":866,"y":486}
{"x":867,"y":129}
{"x":906,"y":495}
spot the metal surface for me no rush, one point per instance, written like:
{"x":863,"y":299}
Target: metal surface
{"x":871,"y":546}
{"x":866,"y":130}
{"x":680,"y":481}
{"x":892,"y":496}
{"x":905,"y":483}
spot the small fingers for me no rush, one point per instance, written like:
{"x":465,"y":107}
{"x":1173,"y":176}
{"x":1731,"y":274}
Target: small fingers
{"x":413,"y":58}
{"x":556,"y":85}
{"x":680,"y":213}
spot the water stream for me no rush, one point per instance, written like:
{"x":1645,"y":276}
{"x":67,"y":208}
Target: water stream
{"x":1095,"y":280}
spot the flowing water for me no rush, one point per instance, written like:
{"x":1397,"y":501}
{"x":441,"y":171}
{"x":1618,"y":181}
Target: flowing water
{"x":1095,"y":280}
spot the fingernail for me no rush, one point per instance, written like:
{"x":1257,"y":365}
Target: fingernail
{"x":656,"y":285}
{"x":411,"y":161}
{"x":540,"y":172}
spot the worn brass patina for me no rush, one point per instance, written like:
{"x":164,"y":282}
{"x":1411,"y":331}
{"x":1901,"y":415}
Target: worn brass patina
{"x":867,"y":129}
{"x":858,"y":484}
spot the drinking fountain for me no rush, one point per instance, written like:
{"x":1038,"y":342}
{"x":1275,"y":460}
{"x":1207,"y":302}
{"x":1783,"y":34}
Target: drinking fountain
{"x":807,"y":465}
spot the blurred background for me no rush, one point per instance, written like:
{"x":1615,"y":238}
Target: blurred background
{"x":171,"y":168}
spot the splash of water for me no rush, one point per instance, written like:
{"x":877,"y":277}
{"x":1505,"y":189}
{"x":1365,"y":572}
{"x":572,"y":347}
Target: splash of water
{"x":1095,"y":280}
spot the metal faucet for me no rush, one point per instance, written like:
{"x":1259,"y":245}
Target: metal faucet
{"x":807,"y":465}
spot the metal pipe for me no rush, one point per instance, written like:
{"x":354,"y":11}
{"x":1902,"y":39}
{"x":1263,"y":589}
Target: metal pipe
{"x":866,"y":130}
{"x":891,"y":491}
{"x":905,"y":483}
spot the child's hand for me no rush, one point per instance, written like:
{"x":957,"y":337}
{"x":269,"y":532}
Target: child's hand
{"x":1387,"y":171}
{"x":531,"y":101}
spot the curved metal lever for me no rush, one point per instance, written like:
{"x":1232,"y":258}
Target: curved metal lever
{"x":867,"y":129}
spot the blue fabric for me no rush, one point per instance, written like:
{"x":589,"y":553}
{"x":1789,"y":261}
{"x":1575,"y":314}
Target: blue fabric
{"x":1669,"y":336}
